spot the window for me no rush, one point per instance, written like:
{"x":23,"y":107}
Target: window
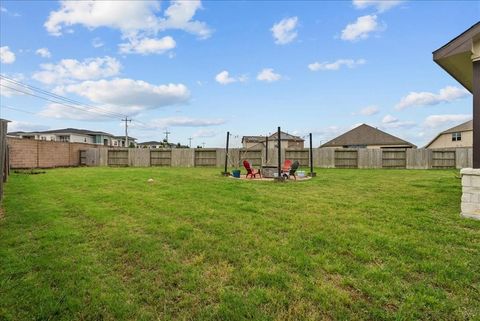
{"x":456,"y":137}
{"x":64,"y":138}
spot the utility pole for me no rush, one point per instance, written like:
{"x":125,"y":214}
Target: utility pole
{"x":203,"y":145}
{"x":126,"y":120}
{"x":190,"y":142}
{"x":166,"y":132}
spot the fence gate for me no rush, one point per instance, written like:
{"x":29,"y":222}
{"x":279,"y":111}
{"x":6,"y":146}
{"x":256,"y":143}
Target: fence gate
{"x":302,"y":156}
{"x":443,"y":159}
{"x":394,"y":158}
{"x":346,"y":159}
{"x":206,"y":157}
{"x":83,"y":157}
{"x":254,"y":157}
{"x":160,"y":158}
{"x":118,"y":158}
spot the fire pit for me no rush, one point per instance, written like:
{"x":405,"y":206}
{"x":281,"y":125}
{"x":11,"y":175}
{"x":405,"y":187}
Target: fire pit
{"x":269,"y":171}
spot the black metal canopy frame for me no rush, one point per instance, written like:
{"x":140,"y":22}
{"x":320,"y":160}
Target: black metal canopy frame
{"x":279,"y":157}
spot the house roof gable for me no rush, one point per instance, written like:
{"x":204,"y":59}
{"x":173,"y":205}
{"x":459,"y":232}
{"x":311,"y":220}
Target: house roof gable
{"x":366,"y":135}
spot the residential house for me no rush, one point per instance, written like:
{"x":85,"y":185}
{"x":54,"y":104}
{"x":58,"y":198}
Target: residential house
{"x":287,"y":141}
{"x":458,"y":136}
{"x":74,"y":135}
{"x":162,"y":144}
{"x":151,"y":144}
{"x":365,"y":136}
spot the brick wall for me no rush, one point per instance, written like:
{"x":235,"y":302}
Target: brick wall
{"x":28,"y":153}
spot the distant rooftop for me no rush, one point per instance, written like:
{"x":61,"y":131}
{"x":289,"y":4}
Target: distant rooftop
{"x":69,"y":131}
{"x":366,"y":135}
{"x":283,"y":136}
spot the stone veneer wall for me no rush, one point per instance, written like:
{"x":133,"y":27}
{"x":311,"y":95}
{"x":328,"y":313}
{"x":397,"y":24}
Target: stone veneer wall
{"x":470,"y":193}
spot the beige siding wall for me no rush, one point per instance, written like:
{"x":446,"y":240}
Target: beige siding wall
{"x":445,"y":141}
{"x":272,"y":143}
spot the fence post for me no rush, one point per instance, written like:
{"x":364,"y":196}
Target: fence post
{"x":225,"y":173}
{"x":312,"y":173}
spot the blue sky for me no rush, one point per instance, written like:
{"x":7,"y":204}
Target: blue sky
{"x":200,"y":69}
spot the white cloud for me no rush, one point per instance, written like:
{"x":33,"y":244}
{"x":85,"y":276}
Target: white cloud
{"x":9,"y":89}
{"x":130,"y":17}
{"x":380,"y":5}
{"x":390,"y":121}
{"x":435,"y":121}
{"x":166,"y":122}
{"x":224,"y":78}
{"x":97,"y":42}
{"x":447,"y":94}
{"x":6,"y":55}
{"x":328,"y":132}
{"x":148,"y":46}
{"x":336,"y":65}
{"x":179,"y":15}
{"x":361,"y":28}
{"x":43,"y":52}
{"x":284,"y":31}
{"x":133,"y":94}
{"x":13,"y":14}
{"x":60,"y":111}
{"x":15,"y":126}
{"x":268,"y":75}
{"x":123,"y":96}
{"x":369,"y":111}
{"x":127,"y":16}
{"x":204,"y":133}
{"x":68,"y":70}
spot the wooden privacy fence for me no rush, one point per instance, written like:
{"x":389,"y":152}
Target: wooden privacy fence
{"x":118,"y":157}
{"x":302,"y":156}
{"x":253,"y":156}
{"x":443,"y":159}
{"x":394,"y":158}
{"x":161,"y":157}
{"x":83,"y":157}
{"x":206,"y":157}
{"x":346,"y":158}
{"x":27,"y":153}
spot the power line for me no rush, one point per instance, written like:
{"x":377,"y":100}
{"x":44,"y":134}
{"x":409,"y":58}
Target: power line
{"x":48,"y":99}
{"x":17,"y":109}
{"x":55,"y":101}
{"x":53,"y":95}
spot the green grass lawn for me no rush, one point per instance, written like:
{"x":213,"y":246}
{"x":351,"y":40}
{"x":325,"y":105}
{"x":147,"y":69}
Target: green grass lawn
{"x":103,"y":244}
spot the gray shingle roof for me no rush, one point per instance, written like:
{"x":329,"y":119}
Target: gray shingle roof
{"x":460,"y":128}
{"x":283,"y":136}
{"x":150,"y":143}
{"x":366,"y":135}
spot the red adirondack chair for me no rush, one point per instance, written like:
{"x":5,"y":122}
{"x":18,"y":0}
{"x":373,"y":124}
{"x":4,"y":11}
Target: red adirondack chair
{"x":287,"y":166}
{"x":250,"y":171}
